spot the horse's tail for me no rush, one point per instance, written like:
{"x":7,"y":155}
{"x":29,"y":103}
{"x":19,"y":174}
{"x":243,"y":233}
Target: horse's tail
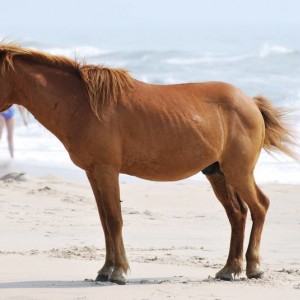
{"x":278,"y":135}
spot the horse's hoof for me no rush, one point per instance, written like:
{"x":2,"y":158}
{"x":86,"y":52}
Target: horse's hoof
{"x":225,"y":277}
{"x":102,"y":278}
{"x":258,"y":275}
{"x":253,"y":271}
{"x":104,"y":273}
{"x":226,"y":273}
{"x":119,"y":282}
{"x":117,"y":277}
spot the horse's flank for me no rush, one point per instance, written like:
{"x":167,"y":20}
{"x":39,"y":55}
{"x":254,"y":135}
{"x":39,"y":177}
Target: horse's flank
{"x":105,"y":86}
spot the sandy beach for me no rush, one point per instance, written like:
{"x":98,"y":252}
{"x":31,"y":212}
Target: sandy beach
{"x":176,"y":236}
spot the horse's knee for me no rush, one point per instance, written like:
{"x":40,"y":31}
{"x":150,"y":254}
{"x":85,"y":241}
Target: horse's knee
{"x":258,"y":214}
{"x":114,"y":225}
{"x":239,"y":210}
{"x":264,"y":201}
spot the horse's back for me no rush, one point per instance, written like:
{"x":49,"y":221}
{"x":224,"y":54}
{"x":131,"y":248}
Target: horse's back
{"x":192,"y":106}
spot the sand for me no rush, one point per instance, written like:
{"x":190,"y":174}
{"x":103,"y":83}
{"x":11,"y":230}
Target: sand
{"x":176,"y":236}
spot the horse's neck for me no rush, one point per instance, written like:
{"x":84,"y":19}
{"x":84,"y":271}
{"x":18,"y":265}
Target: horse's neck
{"x":56,"y":98}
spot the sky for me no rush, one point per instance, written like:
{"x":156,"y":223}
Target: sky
{"x":33,"y":19}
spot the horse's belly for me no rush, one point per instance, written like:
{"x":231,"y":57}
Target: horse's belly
{"x":169,"y":166}
{"x":164,"y":176}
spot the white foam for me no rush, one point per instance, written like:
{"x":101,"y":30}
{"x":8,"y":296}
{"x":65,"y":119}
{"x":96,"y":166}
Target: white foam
{"x":208,"y":59}
{"x":81,"y":51}
{"x":269,"y":49}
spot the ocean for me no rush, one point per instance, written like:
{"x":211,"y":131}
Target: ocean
{"x":258,"y":63}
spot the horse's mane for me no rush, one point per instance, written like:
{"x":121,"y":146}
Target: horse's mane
{"x":9,"y":51}
{"x":105,"y":86}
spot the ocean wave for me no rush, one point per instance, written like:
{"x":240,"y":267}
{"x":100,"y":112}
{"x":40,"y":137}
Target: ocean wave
{"x":207,"y":58}
{"x":78,"y":52}
{"x":266,"y":50}
{"x":270,"y":50}
{"x":93,"y":54}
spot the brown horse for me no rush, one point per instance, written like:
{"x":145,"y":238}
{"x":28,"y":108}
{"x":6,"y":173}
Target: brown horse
{"x":111,"y":123}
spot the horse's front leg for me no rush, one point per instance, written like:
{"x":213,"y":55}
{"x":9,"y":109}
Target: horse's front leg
{"x":105,"y":185}
{"x":107,"y":269}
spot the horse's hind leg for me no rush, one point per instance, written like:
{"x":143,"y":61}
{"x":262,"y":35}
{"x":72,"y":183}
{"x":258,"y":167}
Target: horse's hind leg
{"x":236,"y":211}
{"x":258,"y":204}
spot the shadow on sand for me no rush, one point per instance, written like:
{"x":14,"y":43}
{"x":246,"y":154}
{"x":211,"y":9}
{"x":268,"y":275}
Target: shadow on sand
{"x":86,"y":283}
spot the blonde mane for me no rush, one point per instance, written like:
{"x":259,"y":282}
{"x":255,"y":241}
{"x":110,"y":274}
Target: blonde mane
{"x":9,"y":51}
{"x":105,"y":86}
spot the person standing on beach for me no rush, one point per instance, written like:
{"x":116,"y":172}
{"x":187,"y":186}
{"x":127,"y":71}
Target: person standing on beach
{"x":7,"y":118}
